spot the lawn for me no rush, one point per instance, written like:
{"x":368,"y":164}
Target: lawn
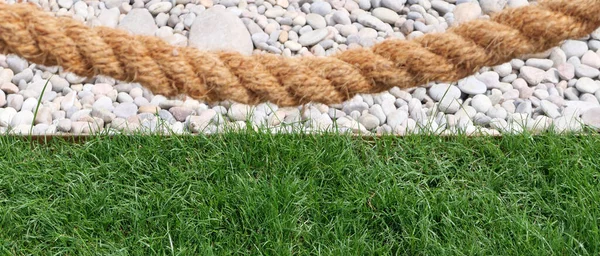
{"x":262,"y":194}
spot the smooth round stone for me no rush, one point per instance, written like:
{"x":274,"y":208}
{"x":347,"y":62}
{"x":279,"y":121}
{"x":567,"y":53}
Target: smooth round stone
{"x":294,"y":46}
{"x":397,"y":118}
{"x":104,"y":103}
{"x":64,"y":125}
{"x":167,"y":104}
{"x":591,"y":117}
{"x":44,"y":116}
{"x":377,"y":111}
{"x":320,"y":8}
{"x":125,"y":110}
{"x":148,"y":108}
{"x":543,"y":64}
{"x":9,"y":88}
{"x":591,"y":59}
{"x":260,"y":37}
{"x":340,"y":17}
{"x":29,"y":104}
{"x":277,"y":11}
{"x":442,"y":7}
{"x":124,"y":97}
{"x":68,"y":101}
{"x":481,"y":103}
{"x":316,"y":21}
{"x":159,"y":7}
{"x":59,"y":83}
{"x":103,"y":114}
{"x":490,"y":79}
{"x":219,"y":29}
{"x":369,"y":121}
{"x":6,"y":75}
{"x":524,"y":107}
{"x":587,"y":85}
{"x":349,"y":107}
{"x":102,"y":89}
{"x":22,"y":117}
{"x":574,"y":48}
{"x":181,"y":113}
{"x":16,"y":64}
{"x":368,"y":20}
{"x":566,"y":71}
{"x":472,"y":85}
{"x":532,"y":75}
{"x":239,"y":112}
{"x":517,"y":3}
{"x":449,"y":105}
{"x":65,"y":3}
{"x":313,"y":37}
{"x":583,"y":70}
{"x":6,"y":116}
{"x":25,"y":76}
{"x":550,"y":109}
{"x":394,"y":5}
{"x":497,"y":111}
{"x":139,"y":22}
{"x":15,"y":101}
{"x":367,"y":33}
{"x":385,"y":15}
{"x":299,"y":21}
{"x":503,"y":70}
{"x":541,"y":94}
{"x":439,"y":91}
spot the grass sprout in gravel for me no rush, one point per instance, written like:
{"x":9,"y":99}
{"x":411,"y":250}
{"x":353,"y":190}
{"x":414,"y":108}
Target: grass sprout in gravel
{"x":262,"y":194}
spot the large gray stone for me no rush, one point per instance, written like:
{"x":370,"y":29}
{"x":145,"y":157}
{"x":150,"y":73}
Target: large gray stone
{"x":219,"y":29}
{"x":139,"y":22}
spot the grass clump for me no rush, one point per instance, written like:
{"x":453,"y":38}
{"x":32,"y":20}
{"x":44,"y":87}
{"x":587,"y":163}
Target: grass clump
{"x":258,"y":193}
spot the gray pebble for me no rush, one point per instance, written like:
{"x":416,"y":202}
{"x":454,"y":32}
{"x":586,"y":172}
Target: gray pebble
{"x":543,"y":64}
{"x":22,"y":117}
{"x":532,"y":75}
{"x":439,"y":91}
{"x":591,"y":117}
{"x":481,"y":103}
{"x":369,"y":121}
{"x":139,"y":21}
{"x":25,"y":76}
{"x":574,"y":48}
{"x":472,"y":85}
{"x":125,"y":110}
{"x":313,"y":37}
{"x":15,"y":101}
{"x":321,"y":8}
{"x":316,"y":21}
{"x":16,"y":64}
{"x":583,"y":70}
{"x":396,"y":118}
{"x":385,"y":15}
{"x":395,"y":5}
{"x":550,"y":109}
{"x":587,"y":85}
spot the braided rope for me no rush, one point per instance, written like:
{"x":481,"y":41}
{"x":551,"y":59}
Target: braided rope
{"x":212,"y":76}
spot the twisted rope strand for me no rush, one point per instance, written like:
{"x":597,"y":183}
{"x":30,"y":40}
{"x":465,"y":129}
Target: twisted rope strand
{"x":211,"y":76}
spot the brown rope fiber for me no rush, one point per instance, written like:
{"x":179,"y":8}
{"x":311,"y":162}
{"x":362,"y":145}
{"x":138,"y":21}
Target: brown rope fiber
{"x":38,"y":37}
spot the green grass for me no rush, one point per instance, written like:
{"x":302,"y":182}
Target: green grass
{"x":262,"y":194}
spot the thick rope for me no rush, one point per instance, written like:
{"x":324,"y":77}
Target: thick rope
{"x":212,"y":76}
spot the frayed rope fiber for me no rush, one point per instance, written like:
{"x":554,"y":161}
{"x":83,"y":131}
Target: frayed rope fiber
{"x":211,"y":76}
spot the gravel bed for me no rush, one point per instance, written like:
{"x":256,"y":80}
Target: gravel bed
{"x":558,"y":89}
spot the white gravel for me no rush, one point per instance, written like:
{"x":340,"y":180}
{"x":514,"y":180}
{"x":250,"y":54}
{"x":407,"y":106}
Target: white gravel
{"x":558,"y":89}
